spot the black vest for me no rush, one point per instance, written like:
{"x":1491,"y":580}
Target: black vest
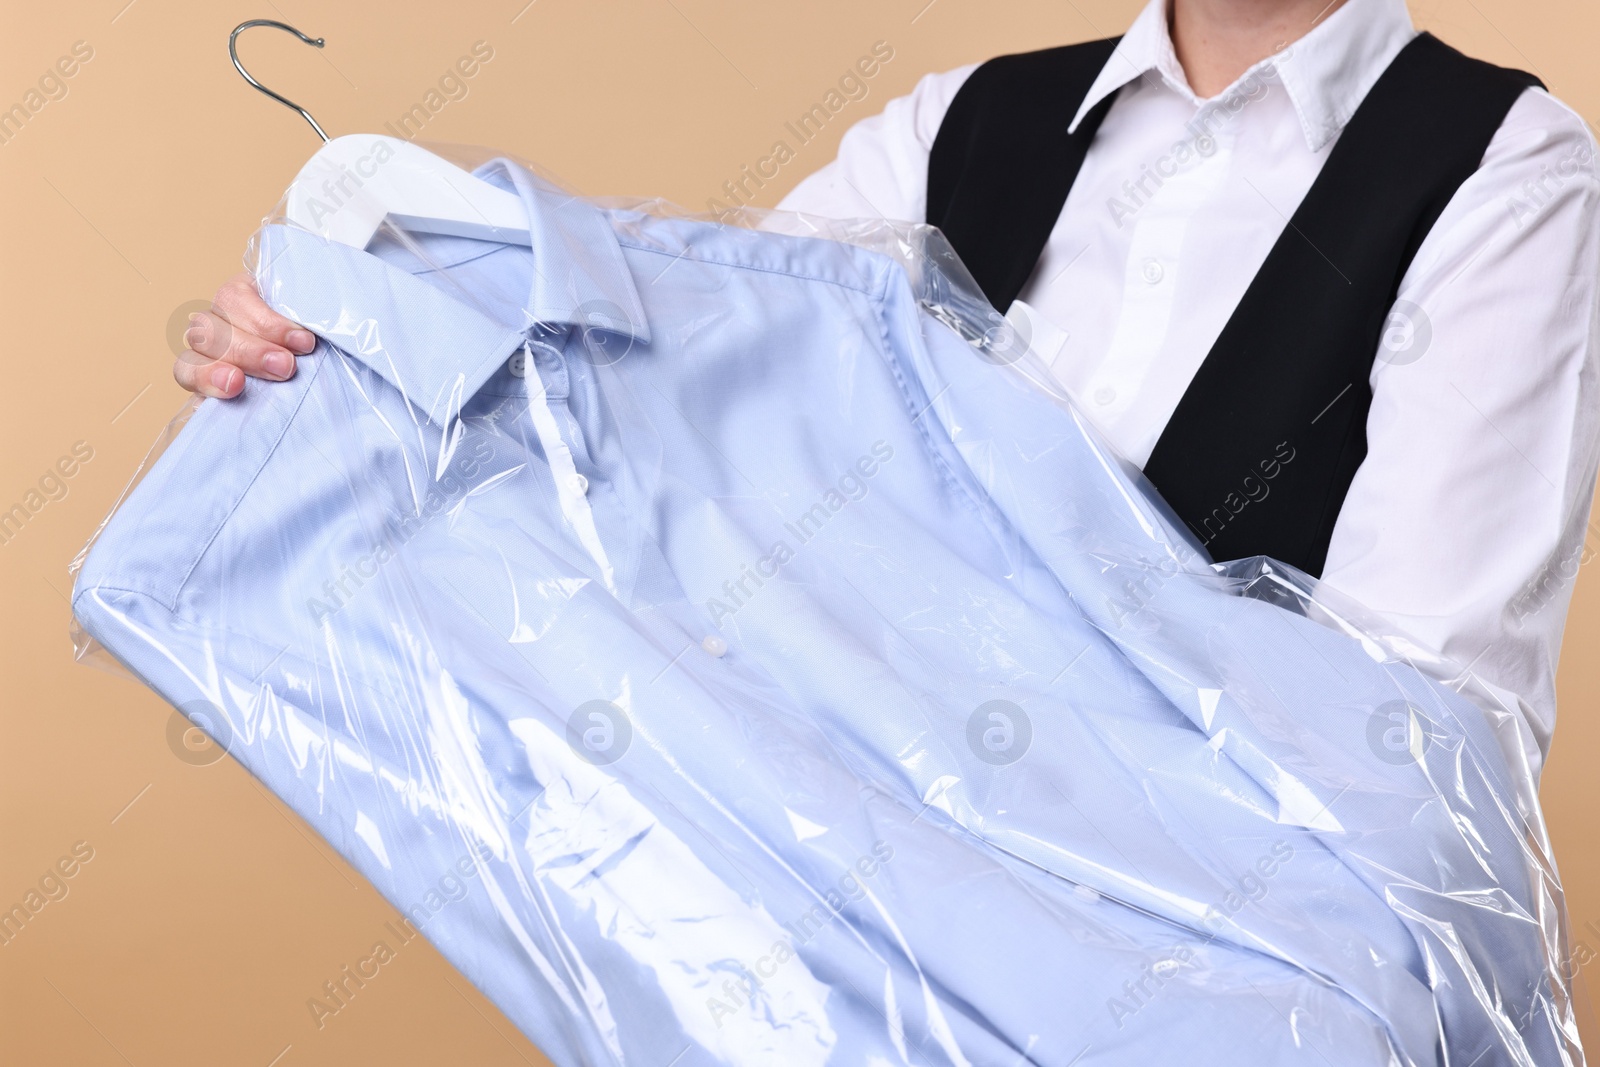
{"x":1260,"y":452}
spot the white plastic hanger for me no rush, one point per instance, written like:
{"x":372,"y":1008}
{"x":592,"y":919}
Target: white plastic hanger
{"x":357,"y":182}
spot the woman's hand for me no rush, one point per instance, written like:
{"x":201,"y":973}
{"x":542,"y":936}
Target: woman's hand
{"x":240,"y":336}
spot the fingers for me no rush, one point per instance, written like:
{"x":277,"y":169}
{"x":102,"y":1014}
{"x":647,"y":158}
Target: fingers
{"x":239,"y":303}
{"x":215,"y":338}
{"x":239,"y":337}
{"x":208,"y":377}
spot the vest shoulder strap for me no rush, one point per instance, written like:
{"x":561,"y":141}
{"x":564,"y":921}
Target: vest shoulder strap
{"x":1290,"y":373}
{"x":1002,"y":163}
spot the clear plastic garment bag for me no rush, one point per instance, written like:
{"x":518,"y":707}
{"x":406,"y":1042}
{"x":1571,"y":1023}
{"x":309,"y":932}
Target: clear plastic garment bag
{"x":720,"y":640}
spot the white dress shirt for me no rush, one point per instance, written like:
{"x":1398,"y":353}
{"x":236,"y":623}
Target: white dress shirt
{"x":1465,"y":526}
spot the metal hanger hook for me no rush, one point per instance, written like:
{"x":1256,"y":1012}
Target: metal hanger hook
{"x":233,"y":53}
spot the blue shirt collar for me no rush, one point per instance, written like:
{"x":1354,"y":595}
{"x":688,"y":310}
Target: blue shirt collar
{"x":436,"y":349}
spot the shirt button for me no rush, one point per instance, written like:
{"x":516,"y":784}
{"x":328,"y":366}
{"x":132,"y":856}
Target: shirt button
{"x":1152,"y":272}
{"x":578,"y":484}
{"x":519,"y":366}
{"x":1165,"y":968}
{"x":715,"y":645}
{"x":1104,"y":395}
{"x":1086,"y":894}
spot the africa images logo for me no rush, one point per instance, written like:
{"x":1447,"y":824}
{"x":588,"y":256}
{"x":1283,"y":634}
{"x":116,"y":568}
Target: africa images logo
{"x":1398,"y":732}
{"x":599,"y":732}
{"x":999,"y":732}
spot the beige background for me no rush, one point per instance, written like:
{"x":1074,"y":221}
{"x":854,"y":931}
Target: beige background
{"x":209,"y":914}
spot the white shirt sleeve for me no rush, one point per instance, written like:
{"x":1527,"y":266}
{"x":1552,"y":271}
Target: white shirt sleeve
{"x":882,"y":167}
{"x":1466,"y":523}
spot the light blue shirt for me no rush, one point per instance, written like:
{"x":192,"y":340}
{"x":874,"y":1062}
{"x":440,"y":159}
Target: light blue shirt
{"x":795,"y":685}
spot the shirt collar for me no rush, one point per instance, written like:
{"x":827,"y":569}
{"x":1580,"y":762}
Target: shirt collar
{"x":1326,"y":73}
{"x":435,"y":348}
